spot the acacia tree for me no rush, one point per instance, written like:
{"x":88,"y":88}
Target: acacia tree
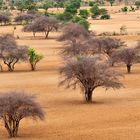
{"x":15,"y":106}
{"x":91,"y":46}
{"x":4,"y":19}
{"x":74,"y":32}
{"x":89,"y":73}
{"x":10,"y":52}
{"x":128,"y":55}
{"x":25,"y":17}
{"x":34,"y":58}
{"x":42,"y":24}
{"x":108,"y":45}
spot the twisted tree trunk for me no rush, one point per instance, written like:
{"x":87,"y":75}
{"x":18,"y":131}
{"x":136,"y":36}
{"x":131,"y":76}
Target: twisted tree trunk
{"x":11,"y":126}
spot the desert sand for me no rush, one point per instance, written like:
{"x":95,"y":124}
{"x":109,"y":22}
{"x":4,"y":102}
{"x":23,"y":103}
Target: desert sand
{"x":113,"y":115}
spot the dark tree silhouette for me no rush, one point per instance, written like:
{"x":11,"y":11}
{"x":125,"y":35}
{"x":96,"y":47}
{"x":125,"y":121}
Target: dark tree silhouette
{"x":42,"y":24}
{"x":89,"y":73}
{"x":15,"y":106}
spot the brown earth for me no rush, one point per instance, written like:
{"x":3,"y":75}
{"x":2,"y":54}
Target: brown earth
{"x":113,"y":115}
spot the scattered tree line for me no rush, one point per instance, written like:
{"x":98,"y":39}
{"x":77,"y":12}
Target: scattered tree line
{"x":89,"y":60}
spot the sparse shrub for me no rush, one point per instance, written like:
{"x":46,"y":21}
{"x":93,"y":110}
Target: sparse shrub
{"x":15,"y":106}
{"x":125,"y":9}
{"x":123,"y":30}
{"x":106,"y":16}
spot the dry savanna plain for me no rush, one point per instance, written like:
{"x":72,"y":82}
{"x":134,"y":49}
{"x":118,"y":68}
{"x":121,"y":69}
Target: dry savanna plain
{"x":113,"y":115}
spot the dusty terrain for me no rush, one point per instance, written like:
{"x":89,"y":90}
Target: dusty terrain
{"x":113,"y":115}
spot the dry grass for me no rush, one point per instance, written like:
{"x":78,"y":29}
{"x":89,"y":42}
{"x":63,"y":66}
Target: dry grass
{"x":114,"y":115}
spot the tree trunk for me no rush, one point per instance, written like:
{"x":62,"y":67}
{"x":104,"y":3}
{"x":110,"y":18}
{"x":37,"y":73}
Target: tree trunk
{"x":34,"y":34}
{"x":46,"y":34}
{"x":32,"y":67}
{"x":88,"y":95}
{"x":129,"y":68}
{"x":12,"y":128}
{"x":10,"y":68}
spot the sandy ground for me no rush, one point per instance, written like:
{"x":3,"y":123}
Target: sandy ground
{"x":113,"y":115}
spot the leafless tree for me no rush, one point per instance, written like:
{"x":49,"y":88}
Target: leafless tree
{"x":89,"y":73}
{"x":25,"y":17}
{"x":10,"y":52}
{"x":42,"y":24}
{"x":15,"y":106}
{"x":4,"y":19}
{"x":111,"y":44}
{"x":91,"y":46}
{"x":74,"y":32}
{"x":128,"y":55}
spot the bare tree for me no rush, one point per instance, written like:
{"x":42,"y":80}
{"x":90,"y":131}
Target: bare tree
{"x":108,"y":45}
{"x":128,"y":55}
{"x":10,"y":52}
{"x":75,"y":36}
{"x":42,"y":24}
{"x":91,"y":46}
{"x":89,"y":73}
{"x":15,"y":106}
{"x":25,"y":18}
{"x":74,"y":32}
{"x":4,"y":19}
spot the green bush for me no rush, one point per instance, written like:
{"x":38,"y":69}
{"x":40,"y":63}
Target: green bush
{"x":102,"y":11}
{"x":91,"y":3}
{"x":66,"y":16}
{"x":1,"y":3}
{"x":95,"y":11}
{"x":84,"y":13}
{"x":124,"y":9}
{"x":71,"y":9}
{"x":81,"y":21}
{"x":106,"y":16}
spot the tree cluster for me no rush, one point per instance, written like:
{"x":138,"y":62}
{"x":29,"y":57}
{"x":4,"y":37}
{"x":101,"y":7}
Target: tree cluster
{"x":86,"y":62}
{"x":11,"y":53}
